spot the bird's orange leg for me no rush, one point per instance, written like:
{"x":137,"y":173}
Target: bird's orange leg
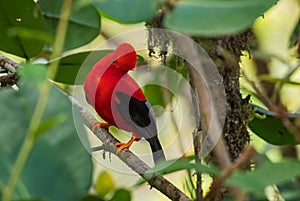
{"x":122,"y":145}
{"x":100,"y":125}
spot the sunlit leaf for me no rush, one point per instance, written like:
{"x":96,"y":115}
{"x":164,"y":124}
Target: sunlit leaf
{"x":215,"y":17}
{"x":175,"y":165}
{"x":182,"y":164}
{"x":157,"y":96}
{"x":127,"y":11}
{"x":104,"y":183}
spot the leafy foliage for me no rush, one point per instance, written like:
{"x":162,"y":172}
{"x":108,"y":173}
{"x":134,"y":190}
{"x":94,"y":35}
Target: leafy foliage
{"x":84,"y":22}
{"x":58,"y":163}
{"x":23,"y":28}
{"x":270,"y":128}
{"x":58,"y":167}
{"x":265,"y":174}
{"x":121,"y":194}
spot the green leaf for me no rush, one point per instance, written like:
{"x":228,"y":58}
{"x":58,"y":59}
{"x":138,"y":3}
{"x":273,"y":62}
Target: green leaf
{"x":155,"y":94}
{"x":163,"y":87}
{"x":178,"y":65}
{"x":33,"y":73}
{"x":127,"y":11}
{"x":58,"y":167}
{"x":74,"y":68}
{"x":158,"y":96}
{"x":84,"y":22}
{"x":215,"y":17}
{"x":176,"y":165}
{"x":15,"y":22}
{"x":50,"y":123}
{"x":266,"y":174}
{"x":266,"y":125}
{"x":140,"y":58}
{"x":91,"y":198}
{"x":31,"y":200}
{"x":104,"y":183}
{"x":183,"y":164}
{"x":290,"y":190}
{"x":121,"y":194}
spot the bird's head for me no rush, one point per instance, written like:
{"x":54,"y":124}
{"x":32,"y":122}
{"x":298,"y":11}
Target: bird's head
{"x":124,"y":58}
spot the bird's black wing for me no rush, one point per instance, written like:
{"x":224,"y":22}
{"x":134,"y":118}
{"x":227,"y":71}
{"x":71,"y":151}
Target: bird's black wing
{"x":140,"y":116}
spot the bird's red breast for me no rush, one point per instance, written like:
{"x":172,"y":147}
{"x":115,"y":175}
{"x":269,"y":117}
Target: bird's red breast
{"x":109,"y":76}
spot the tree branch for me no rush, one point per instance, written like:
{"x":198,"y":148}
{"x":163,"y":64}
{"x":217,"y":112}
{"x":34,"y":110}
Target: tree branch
{"x":245,"y":156}
{"x":135,"y":163}
{"x":197,"y":136}
{"x":10,"y":67}
{"x":8,"y":80}
{"x":8,"y":64}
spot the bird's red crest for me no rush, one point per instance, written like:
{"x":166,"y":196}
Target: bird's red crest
{"x":125,"y":57}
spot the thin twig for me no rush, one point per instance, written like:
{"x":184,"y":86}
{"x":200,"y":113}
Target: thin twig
{"x":98,"y":148}
{"x":245,"y":156}
{"x":198,"y":136}
{"x":197,"y":149}
{"x":286,"y":77}
{"x":109,"y":39}
{"x":168,"y":99}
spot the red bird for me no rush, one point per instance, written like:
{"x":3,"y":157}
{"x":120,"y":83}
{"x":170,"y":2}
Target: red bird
{"x":119,"y":100}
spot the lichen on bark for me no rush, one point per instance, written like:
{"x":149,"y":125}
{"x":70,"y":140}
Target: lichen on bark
{"x":225,"y":52}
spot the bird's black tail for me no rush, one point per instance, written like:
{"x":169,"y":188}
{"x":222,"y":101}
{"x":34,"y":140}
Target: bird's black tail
{"x":157,"y":151}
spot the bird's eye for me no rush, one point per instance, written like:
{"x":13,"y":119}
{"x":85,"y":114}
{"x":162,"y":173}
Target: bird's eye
{"x":114,"y":61}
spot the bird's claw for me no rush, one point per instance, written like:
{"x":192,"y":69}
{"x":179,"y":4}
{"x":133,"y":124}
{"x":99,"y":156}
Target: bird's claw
{"x":122,"y":145}
{"x":100,"y":125}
